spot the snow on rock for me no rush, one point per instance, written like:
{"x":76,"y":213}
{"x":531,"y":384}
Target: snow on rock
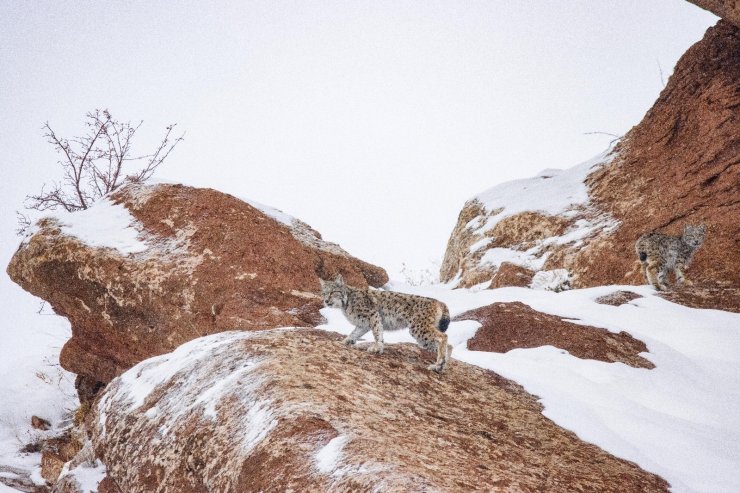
{"x":553,"y":280}
{"x":295,"y":409}
{"x":153,"y":266}
{"x":84,"y":478}
{"x":523,"y":222}
{"x":678,"y":419}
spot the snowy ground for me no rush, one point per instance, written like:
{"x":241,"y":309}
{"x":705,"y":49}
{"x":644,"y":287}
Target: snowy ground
{"x":679,"y":420}
{"x":31,"y":383}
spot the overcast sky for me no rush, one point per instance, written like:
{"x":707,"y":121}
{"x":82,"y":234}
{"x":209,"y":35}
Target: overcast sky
{"x":373,"y":121}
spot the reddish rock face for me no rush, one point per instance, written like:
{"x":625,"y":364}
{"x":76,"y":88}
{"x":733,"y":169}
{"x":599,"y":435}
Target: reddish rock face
{"x":212,"y":263}
{"x":678,"y":166}
{"x":296,"y":410}
{"x":507,"y":326}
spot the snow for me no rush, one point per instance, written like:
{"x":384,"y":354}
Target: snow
{"x":192,"y":370}
{"x":104,"y":225}
{"x":553,"y":280}
{"x":276,"y":214}
{"x":31,"y":380}
{"x":328,"y":456}
{"x":551,"y":192}
{"x":88,"y":477}
{"x":678,"y":420}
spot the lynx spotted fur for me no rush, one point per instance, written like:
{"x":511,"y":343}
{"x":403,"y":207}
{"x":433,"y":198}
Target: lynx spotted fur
{"x":660,"y":253}
{"x":426,"y":318}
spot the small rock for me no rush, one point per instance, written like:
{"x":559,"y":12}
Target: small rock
{"x":40,"y":423}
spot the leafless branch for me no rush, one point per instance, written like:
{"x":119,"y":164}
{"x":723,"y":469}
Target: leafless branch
{"x":24,"y":222}
{"x":660,"y":70}
{"x":95,"y":163}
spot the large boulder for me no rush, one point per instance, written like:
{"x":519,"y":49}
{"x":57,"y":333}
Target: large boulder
{"x":296,"y":410}
{"x":152,"y":267}
{"x":678,"y":166}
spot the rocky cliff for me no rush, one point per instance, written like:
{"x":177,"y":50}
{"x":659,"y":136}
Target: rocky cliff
{"x":680,"y":165}
{"x":152,"y":267}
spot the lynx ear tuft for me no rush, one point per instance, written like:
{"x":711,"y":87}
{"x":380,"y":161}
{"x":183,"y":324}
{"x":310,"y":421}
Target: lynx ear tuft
{"x":339,"y":280}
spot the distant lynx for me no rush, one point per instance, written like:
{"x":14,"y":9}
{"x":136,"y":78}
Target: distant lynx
{"x":368,"y":310}
{"x":660,"y":253}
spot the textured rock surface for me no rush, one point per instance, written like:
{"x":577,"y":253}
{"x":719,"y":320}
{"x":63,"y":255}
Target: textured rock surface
{"x":617,"y":298}
{"x":680,"y":165}
{"x":211,"y":263}
{"x":296,"y":410}
{"x":507,"y":326}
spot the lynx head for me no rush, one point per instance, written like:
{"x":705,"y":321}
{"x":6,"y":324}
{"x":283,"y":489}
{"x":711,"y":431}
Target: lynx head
{"x":693,"y":235}
{"x":334,"y":293}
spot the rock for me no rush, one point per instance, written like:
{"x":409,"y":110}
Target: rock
{"x":507,"y":326}
{"x":706,"y":297}
{"x":169,"y":263}
{"x":509,"y":274}
{"x":617,"y":298}
{"x":726,"y":9}
{"x":40,"y":423}
{"x":296,"y":410}
{"x":55,"y":452}
{"x":677,"y":166}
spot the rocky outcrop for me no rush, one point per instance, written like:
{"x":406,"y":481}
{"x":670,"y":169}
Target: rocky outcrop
{"x":678,"y":166}
{"x":507,"y":326}
{"x":165,"y":264}
{"x":296,"y":410}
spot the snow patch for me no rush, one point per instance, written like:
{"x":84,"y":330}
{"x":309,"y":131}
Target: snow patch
{"x":87,"y":476}
{"x":552,"y":192}
{"x":104,"y":225}
{"x":328,"y":456}
{"x":552,"y":280}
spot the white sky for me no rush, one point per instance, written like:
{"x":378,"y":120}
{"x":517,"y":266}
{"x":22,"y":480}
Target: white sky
{"x":373,"y":121}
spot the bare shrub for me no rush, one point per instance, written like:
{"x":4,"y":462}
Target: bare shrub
{"x":96,"y":163}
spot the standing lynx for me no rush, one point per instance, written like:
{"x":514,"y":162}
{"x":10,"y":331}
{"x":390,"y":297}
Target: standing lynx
{"x":660,"y":253}
{"x":368,"y":310}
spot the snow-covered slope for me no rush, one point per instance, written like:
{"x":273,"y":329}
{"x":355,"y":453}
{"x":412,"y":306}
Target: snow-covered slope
{"x":678,"y":420}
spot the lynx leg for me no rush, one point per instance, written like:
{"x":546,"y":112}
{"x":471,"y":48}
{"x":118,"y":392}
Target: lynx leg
{"x":377,"y":327}
{"x":643,"y":267}
{"x":443,"y":349}
{"x":681,"y":276}
{"x":351,"y":339}
{"x":651,"y":272}
{"x":662,"y":275}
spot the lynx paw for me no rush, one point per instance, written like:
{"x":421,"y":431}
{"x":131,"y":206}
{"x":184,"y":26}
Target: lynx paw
{"x":375,"y":348}
{"x":348,"y":341}
{"x":435,"y":367}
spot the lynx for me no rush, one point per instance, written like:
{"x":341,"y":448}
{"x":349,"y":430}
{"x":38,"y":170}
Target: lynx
{"x":367,"y":309}
{"x":660,"y":253}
